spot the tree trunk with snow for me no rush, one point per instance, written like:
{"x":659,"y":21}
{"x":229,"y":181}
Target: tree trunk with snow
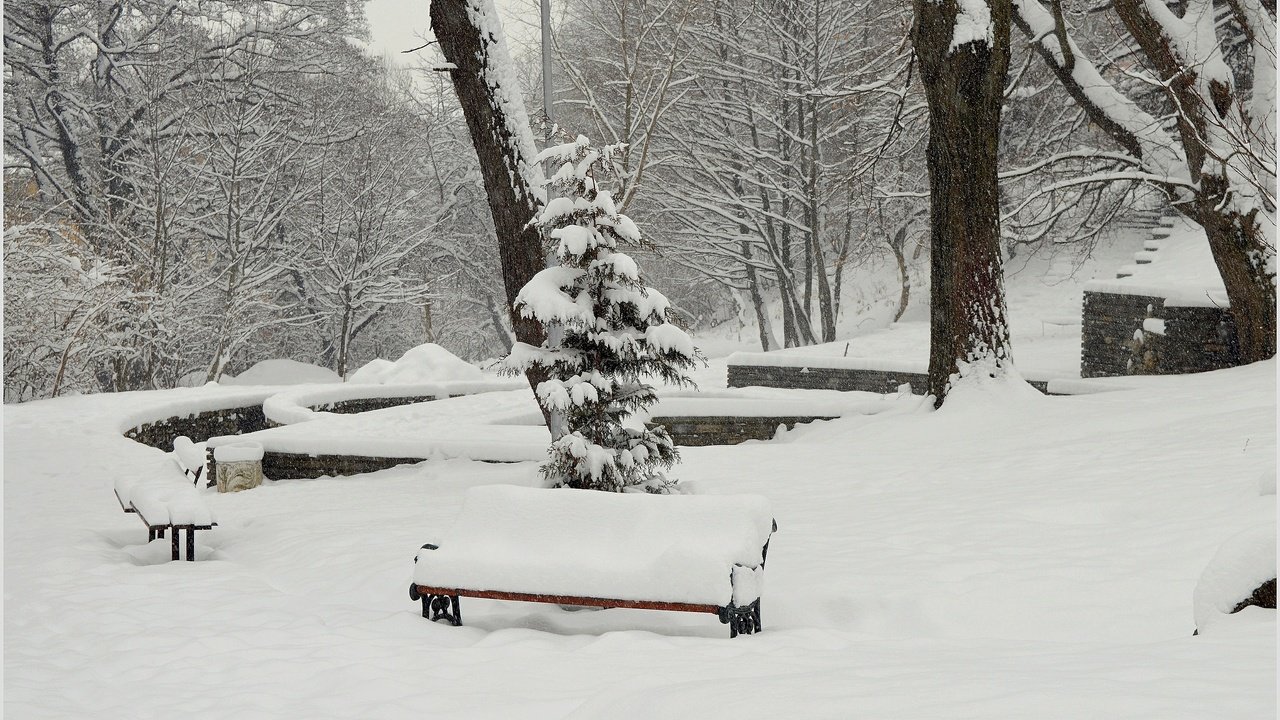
{"x":1211,"y":125}
{"x":963,"y":50}
{"x":485,"y":81}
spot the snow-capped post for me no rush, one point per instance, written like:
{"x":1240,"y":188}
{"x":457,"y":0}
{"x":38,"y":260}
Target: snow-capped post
{"x":471,"y":39}
{"x":237,"y":466}
{"x":963,"y":49}
{"x":616,"y":333}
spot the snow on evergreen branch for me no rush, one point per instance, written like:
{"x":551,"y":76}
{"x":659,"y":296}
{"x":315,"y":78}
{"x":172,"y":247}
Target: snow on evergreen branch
{"x":617,"y":334}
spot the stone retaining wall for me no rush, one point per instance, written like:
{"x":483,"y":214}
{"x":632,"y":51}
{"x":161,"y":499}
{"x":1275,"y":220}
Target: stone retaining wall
{"x":1195,"y":339}
{"x":875,"y":381}
{"x":844,"y":379}
{"x":694,"y":431}
{"x":200,"y":427}
{"x":360,"y":405}
{"x":1108,"y":324}
{"x":279,"y":466}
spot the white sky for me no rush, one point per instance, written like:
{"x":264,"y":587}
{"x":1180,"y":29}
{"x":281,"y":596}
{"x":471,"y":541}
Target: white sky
{"x":396,"y":25}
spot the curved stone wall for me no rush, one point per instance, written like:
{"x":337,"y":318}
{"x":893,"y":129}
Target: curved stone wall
{"x":702,"y":430}
{"x":199,"y":426}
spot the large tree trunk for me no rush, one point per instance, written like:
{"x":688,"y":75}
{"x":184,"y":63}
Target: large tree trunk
{"x":495,"y":134}
{"x":964,"y":87}
{"x":1240,"y":250}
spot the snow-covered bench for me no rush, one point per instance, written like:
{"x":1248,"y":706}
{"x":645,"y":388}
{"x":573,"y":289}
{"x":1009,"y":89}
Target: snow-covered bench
{"x":164,"y":501}
{"x":190,"y":456}
{"x":687,"y":553}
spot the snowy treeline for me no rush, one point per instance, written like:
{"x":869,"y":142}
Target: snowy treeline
{"x":192,"y":187}
{"x":786,"y":138}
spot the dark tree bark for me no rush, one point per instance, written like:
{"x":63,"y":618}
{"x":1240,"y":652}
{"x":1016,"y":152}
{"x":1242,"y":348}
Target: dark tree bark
{"x":964,"y":87}
{"x":511,"y":202}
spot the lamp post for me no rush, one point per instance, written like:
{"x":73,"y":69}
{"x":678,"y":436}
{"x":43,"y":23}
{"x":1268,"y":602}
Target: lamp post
{"x":559,"y":423}
{"x":548,"y":101}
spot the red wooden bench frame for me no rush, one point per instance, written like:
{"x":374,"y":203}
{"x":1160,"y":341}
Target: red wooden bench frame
{"x":441,"y":603}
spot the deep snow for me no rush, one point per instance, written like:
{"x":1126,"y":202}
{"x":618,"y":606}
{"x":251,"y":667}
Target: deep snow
{"x":1011,"y":555}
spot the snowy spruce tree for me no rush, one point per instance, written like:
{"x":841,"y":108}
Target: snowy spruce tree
{"x":615,"y":333}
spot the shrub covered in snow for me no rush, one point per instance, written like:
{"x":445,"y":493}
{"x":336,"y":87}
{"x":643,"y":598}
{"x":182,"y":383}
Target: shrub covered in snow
{"x":615,"y":333}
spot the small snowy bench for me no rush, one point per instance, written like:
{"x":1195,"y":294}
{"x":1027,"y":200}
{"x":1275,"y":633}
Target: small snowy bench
{"x":190,"y":456}
{"x":689,"y":553}
{"x":163,"y":500}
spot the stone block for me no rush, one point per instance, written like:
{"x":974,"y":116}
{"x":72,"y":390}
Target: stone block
{"x":237,"y":475}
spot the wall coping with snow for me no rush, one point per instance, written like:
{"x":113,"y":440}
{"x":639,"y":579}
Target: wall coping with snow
{"x":834,"y":362}
{"x":200,"y":417}
{"x":1174,"y":295}
{"x":304,"y":404}
{"x":846,"y":374}
{"x":190,"y":407}
{"x":782,"y":358}
{"x":703,"y":430}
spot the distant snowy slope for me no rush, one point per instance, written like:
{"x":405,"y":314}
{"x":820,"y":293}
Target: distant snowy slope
{"x":283,"y":372}
{"x":425,"y":363}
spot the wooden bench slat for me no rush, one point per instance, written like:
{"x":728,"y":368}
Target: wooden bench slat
{"x":570,"y":600}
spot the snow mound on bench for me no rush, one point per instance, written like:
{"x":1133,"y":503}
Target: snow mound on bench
{"x":1243,"y":563}
{"x":622,"y":546}
{"x":283,"y":371}
{"x":425,"y":363}
{"x":163,"y":495}
{"x":190,"y":455}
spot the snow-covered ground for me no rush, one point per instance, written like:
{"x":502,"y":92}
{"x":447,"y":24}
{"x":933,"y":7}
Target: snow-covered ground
{"x":1012,"y":555}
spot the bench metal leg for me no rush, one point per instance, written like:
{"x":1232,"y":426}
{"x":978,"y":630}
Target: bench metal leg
{"x":743,"y":620}
{"x":191,"y":544}
{"x":173,"y":543}
{"x":446,"y":607}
